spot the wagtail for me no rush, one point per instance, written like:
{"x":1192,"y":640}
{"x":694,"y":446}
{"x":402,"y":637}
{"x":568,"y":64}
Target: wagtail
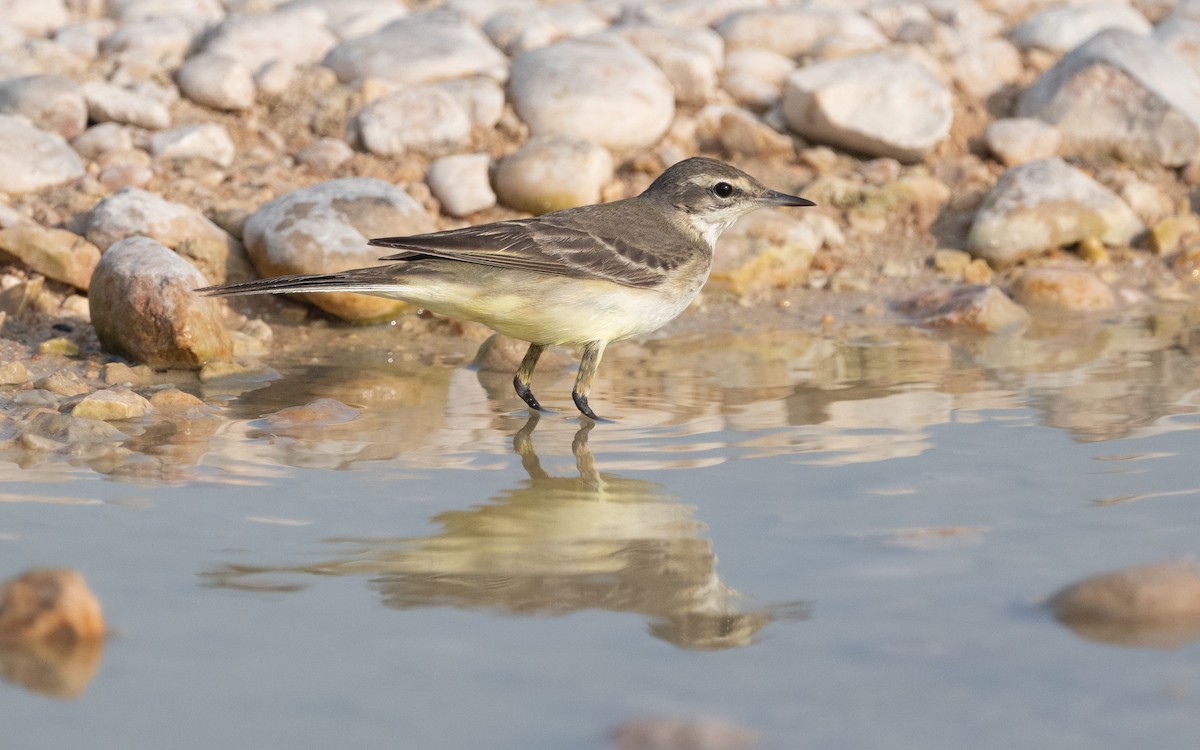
{"x":580,"y":277}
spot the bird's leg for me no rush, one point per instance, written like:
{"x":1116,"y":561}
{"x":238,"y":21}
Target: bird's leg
{"x":587,"y":373}
{"x":525,"y":375}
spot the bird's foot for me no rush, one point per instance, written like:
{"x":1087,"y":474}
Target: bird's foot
{"x":527,"y":396}
{"x":581,"y":403}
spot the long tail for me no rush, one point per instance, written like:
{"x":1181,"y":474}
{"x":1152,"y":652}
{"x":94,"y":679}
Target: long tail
{"x":376,"y":280}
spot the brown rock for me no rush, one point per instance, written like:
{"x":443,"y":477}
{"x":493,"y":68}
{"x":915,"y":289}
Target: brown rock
{"x":57,"y":253}
{"x":1061,"y":288}
{"x":144,"y":308}
{"x":978,"y":308}
{"x":1152,"y":605}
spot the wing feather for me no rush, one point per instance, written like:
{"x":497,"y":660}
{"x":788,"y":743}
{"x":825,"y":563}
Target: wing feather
{"x":559,"y":245}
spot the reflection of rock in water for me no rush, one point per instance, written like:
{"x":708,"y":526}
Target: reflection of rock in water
{"x":554,"y":545}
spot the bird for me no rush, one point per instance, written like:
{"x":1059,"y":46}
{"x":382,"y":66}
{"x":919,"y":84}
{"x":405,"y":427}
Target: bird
{"x":582,"y":277}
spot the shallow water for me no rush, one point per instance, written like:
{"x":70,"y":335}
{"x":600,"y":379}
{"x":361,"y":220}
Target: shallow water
{"x":828,"y":541}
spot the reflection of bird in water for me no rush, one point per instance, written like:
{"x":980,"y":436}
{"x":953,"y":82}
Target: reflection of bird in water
{"x":553,"y":545}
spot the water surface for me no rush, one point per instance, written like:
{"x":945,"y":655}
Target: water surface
{"x":834,"y":541}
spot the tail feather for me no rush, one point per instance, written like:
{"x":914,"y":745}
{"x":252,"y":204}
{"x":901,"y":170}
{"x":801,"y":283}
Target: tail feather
{"x":365,"y":280}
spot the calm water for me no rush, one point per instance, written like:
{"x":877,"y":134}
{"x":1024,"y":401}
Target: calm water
{"x":831,"y":542}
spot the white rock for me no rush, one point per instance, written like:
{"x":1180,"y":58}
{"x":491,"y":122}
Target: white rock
{"x":424,"y":119}
{"x":553,"y":172}
{"x":273,"y":78}
{"x":755,"y":77}
{"x":325,"y":228}
{"x":481,"y":98}
{"x":422,"y":48}
{"x":1120,"y":94}
{"x":216,"y":81}
{"x":1181,"y":35}
{"x":354,"y":18}
{"x":1063,"y":29}
{"x":32,"y":159}
{"x":736,"y":132}
{"x":461,"y":183}
{"x":687,"y":12}
{"x":34,"y":18}
{"x":206,"y":141}
{"x":127,"y":11}
{"x":325,"y":155}
{"x":819,"y":31}
{"x":600,"y":89}
{"x":1046,"y":204}
{"x":132,"y":212}
{"x":983,"y":69}
{"x":51,"y":102}
{"x":1018,"y":140}
{"x":691,"y":57}
{"x":521,"y":29}
{"x":882,"y":104}
{"x":297,"y":36}
{"x":84,"y":38}
{"x":477,"y":12}
{"x":162,"y":41}
{"x":103,"y":138}
{"x":109,"y":103}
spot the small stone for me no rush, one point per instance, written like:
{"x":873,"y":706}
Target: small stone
{"x":63,"y":383}
{"x":59,"y":254}
{"x":1154,"y":605}
{"x":59,"y":345}
{"x":109,"y":103}
{"x":103,"y":138}
{"x":32,"y":159}
{"x":325,"y":228}
{"x":21,"y":296}
{"x":522,"y":28}
{"x":325,"y":155}
{"x":422,"y":48}
{"x":119,"y":373}
{"x":755,"y":77}
{"x":83,"y":38}
{"x":976,"y":308}
{"x":1167,"y":236}
{"x":1074,"y":289}
{"x":1019,"y":140}
{"x":599,"y":89}
{"x":173,"y":398}
{"x":298,"y":36}
{"x":13,"y":373}
{"x":1092,"y":250}
{"x":985,"y":68}
{"x":424,"y":119}
{"x":219,"y":371}
{"x":111,"y":405}
{"x":739,"y":133}
{"x":216,"y":81}
{"x":553,"y":172}
{"x":951,"y":262}
{"x":880,"y":171}
{"x":206,"y":141}
{"x":322,"y":411}
{"x":461,"y":183}
{"x":1147,"y":201}
{"x":51,"y":102}
{"x":816,"y":31}
{"x":978,"y":272}
{"x":1046,"y":204}
{"x":35,"y":19}
{"x":1063,"y":29}
{"x":48,"y":606}
{"x":150,"y":42}
{"x":144,"y":307}
{"x":691,"y":57}
{"x":481,"y":98}
{"x":503,"y":354}
{"x":882,"y":104}
{"x":274,"y":77}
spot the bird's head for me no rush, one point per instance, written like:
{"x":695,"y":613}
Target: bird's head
{"x":708,"y":195}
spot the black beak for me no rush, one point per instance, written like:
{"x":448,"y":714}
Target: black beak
{"x":773,"y":198}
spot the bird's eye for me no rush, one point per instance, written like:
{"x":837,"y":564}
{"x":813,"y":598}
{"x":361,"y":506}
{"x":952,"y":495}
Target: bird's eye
{"x":722,"y":189}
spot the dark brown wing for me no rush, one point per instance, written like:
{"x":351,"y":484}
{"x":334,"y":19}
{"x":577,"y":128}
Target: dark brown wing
{"x":581,"y":244}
